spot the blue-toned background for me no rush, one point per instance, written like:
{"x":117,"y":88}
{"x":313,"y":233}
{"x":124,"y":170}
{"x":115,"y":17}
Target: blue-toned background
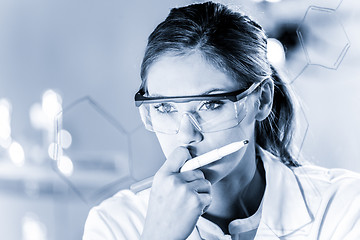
{"x":82,"y":58}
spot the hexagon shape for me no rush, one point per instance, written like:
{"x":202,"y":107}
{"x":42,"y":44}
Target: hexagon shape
{"x":333,"y":4}
{"x":302,"y":130}
{"x":99,"y":151}
{"x":146,"y":153}
{"x":323,"y":37}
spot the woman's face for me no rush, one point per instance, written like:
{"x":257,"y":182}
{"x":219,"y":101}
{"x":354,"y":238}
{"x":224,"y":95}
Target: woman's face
{"x":192,"y":75}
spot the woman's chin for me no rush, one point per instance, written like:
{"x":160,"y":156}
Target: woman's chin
{"x":212,"y":173}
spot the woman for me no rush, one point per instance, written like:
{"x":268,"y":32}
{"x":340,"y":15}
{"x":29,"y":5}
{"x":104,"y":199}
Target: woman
{"x":206,"y":82}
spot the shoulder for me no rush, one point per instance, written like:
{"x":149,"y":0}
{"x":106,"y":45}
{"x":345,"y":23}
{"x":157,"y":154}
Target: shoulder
{"x":313,"y":179}
{"x":119,"y":217}
{"x":333,"y":196}
{"x":327,"y":181}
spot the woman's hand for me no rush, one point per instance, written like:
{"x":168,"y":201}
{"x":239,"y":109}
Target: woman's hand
{"x":177,"y":199}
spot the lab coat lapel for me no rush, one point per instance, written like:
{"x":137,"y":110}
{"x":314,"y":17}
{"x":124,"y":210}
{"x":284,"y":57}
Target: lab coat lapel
{"x":285,"y":210}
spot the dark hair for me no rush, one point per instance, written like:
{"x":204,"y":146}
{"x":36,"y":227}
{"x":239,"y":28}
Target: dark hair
{"x":237,"y":45}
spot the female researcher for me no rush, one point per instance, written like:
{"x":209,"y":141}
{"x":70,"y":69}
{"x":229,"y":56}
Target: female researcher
{"x":206,"y":82}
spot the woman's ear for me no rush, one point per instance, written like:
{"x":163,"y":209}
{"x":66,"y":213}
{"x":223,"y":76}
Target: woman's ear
{"x":265,"y":100}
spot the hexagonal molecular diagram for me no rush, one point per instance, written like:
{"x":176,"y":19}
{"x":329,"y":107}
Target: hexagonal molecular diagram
{"x":147,"y":156}
{"x":300,"y":135}
{"x":91,"y":151}
{"x":333,"y":4}
{"x":323,"y":37}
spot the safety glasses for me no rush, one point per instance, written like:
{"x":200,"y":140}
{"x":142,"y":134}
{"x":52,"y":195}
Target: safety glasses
{"x":208,"y":113}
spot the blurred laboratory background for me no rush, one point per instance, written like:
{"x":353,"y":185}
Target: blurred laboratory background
{"x":70,"y":135}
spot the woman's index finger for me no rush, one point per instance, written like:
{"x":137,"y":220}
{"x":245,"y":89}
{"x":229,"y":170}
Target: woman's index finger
{"x":176,"y":160}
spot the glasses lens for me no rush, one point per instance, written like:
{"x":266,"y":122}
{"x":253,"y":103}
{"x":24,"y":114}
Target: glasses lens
{"x":209,"y":116}
{"x":160,"y":117}
{"x":231,"y":114}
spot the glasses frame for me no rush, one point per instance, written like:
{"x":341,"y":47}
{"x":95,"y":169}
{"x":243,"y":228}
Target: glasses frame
{"x":233,"y":96}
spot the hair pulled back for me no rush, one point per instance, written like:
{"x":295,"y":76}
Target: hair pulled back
{"x":236,"y":45}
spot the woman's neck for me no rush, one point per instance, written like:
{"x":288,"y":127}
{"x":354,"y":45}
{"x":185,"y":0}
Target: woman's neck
{"x":237,"y":197}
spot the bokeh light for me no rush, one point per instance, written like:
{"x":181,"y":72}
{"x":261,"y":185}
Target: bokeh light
{"x":42,"y":115}
{"x":17,"y":154}
{"x":51,"y":103}
{"x":32,"y":228}
{"x":37,"y":116}
{"x":275,"y":52}
{"x":65,"y":165}
{"x":52,"y":149}
{"x":65,"y":138}
{"x":5,"y":123}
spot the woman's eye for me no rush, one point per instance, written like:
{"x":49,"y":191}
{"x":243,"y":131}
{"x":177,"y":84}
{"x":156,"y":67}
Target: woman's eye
{"x":164,"y":108}
{"x":211,"y":105}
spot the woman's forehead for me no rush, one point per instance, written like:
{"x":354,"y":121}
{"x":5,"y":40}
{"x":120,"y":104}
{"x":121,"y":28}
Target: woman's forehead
{"x":187,"y":75}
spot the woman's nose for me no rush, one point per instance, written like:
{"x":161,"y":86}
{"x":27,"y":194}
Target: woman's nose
{"x":189,"y":130}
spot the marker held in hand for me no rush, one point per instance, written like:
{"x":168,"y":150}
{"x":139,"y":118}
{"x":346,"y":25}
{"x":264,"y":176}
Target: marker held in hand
{"x":196,"y":162}
{"x":212,"y":156}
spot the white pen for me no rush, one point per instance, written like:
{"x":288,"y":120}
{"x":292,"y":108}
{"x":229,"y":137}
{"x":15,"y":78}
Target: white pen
{"x":212,"y":156}
{"x":196,"y":162}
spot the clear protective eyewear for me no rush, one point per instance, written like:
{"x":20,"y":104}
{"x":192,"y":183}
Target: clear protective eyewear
{"x":209,"y":113}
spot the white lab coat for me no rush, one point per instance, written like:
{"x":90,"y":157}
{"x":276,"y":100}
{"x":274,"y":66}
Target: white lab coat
{"x":306,"y":202}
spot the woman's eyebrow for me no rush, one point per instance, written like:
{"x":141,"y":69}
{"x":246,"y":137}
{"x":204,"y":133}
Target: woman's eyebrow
{"x":217,"y":90}
{"x":208,"y":92}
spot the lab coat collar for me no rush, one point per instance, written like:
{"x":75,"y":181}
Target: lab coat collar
{"x":285,"y":209}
